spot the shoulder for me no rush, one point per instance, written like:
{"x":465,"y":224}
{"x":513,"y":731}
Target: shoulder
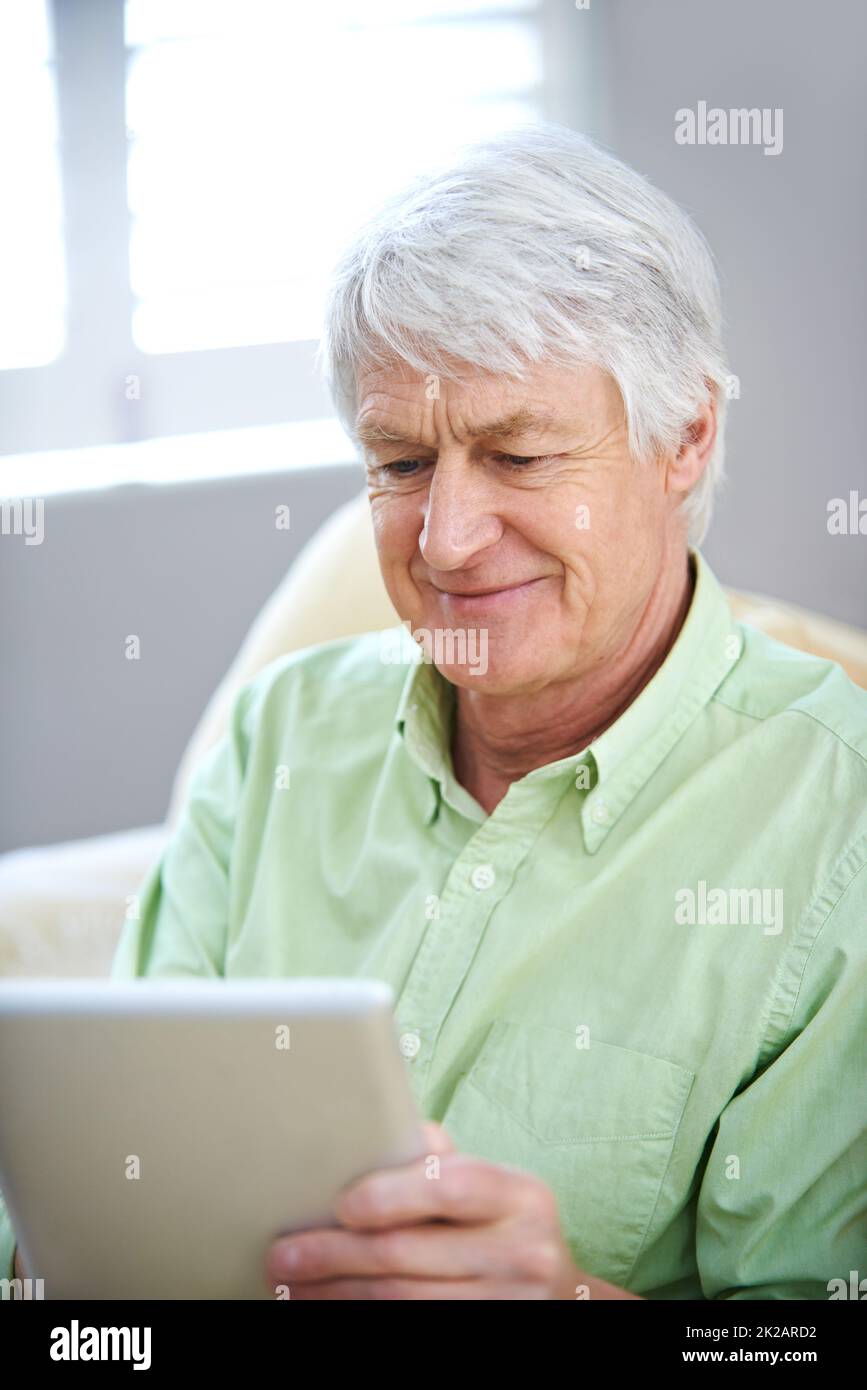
{"x":349,"y":683}
{"x":804,"y":754}
{"x":808,"y":697}
{"x":805,"y":723}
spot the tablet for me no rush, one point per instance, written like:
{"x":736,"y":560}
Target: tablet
{"x":157,"y":1135}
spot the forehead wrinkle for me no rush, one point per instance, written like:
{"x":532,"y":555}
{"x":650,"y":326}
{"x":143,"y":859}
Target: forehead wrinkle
{"x":518,"y":422}
{"x":512,"y":426}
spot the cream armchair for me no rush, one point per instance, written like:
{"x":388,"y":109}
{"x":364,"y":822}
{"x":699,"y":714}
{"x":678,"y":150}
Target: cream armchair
{"x":62,"y":906}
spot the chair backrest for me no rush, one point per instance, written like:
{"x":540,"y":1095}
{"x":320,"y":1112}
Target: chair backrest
{"x":335,"y":589}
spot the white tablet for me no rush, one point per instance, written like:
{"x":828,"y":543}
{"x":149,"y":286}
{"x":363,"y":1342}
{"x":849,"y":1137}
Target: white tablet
{"x":156,"y":1135}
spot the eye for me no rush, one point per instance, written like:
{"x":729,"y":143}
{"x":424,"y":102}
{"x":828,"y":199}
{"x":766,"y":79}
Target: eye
{"x":517,"y":461}
{"x":402,"y":468}
{"x":409,"y":468}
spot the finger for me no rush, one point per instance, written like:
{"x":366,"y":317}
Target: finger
{"x":437,"y":1143}
{"x":421,"y":1251}
{"x":393,"y":1289}
{"x":436,"y":1138}
{"x":457,"y":1188}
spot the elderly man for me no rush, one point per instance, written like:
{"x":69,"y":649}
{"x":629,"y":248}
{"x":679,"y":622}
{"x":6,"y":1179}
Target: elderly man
{"x":615,"y":871}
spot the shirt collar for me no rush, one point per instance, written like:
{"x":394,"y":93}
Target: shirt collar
{"x":424,"y":717}
{"x":618,"y":763}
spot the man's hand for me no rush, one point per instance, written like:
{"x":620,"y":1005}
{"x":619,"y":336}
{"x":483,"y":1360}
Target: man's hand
{"x":447,"y":1226}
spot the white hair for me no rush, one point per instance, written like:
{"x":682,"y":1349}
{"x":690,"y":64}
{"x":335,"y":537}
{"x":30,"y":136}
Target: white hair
{"x":539,"y":246}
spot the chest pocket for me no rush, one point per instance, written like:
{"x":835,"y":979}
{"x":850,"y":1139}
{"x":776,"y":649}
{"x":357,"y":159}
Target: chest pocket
{"x":597,"y":1124}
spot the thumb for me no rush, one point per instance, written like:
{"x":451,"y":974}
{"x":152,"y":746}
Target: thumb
{"x":437,"y":1138}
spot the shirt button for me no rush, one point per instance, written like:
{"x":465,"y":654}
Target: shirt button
{"x":483,"y":877}
{"x":409,"y":1044}
{"x":600,"y":813}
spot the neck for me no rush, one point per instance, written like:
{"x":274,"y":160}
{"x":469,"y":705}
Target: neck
{"x":497,"y":740}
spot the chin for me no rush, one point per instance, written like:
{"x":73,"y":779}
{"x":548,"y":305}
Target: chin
{"x":493,"y":677}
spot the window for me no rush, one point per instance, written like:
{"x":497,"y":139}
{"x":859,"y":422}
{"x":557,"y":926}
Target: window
{"x":32,"y":274}
{"x":262,"y":134}
{"x":214,"y":155}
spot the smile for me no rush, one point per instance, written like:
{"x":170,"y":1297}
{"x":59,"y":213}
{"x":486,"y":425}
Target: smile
{"x":488,"y":600}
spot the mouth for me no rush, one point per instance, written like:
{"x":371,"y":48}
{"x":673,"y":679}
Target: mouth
{"x":465,"y":601}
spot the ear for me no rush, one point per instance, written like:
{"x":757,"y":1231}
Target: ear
{"x":688,"y":464}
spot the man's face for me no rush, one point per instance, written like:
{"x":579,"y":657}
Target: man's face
{"x":514,"y":508}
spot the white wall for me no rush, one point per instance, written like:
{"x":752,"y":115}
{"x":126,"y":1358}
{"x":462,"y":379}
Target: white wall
{"x":89,"y":740}
{"x":788,"y":232}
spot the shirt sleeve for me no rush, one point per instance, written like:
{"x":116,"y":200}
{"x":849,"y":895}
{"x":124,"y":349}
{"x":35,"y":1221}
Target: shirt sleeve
{"x":180,"y":919}
{"x":782,"y":1207}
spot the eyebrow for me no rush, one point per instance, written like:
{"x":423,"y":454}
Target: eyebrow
{"x":520,"y":422}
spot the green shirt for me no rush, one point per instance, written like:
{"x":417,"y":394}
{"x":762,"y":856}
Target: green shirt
{"x":642,"y":976}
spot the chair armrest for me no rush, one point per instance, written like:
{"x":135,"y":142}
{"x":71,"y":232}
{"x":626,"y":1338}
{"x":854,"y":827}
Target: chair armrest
{"x":62,"y":906}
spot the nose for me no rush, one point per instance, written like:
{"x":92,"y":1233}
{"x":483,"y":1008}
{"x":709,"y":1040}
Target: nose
{"x":459,"y":516}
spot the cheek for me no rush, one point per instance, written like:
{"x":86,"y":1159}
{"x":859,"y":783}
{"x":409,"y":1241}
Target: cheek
{"x":619,"y":500}
{"x":572,"y":522}
{"x":396,"y":529}
{"x":594,"y":549}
